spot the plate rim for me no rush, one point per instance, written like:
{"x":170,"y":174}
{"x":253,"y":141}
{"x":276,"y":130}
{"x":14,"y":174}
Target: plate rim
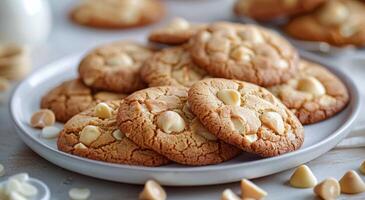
{"x":354,"y":102}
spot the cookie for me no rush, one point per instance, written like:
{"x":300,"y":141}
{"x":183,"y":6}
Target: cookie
{"x":338,"y":22}
{"x":172,"y":66}
{"x":247,"y":116}
{"x":159,"y":118}
{"x":71,"y":97}
{"x":118,"y":14}
{"x":178,"y":31}
{"x":115,"y":67}
{"x":266,"y":10}
{"x":93,"y":134}
{"x":315,"y":94}
{"x":244,"y":52}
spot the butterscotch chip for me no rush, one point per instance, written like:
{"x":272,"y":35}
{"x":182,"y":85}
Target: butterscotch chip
{"x":337,"y":22}
{"x":315,"y":94}
{"x":159,"y":118}
{"x":260,"y":124}
{"x":228,"y":194}
{"x":178,"y":31}
{"x":328,"y":189}
{"x":362,"y":168}
{"x":115,"y":14}
{"x":265,"y":10}
{"x":351,"y":183}
{"x":250,"y":190}
{"x":42,"y":118}
{"x":303,"y":178}
{"x":172,"y":66}
{"x":152,"y":191}
{"x":115,"y":67}
{"x":89,"y":136}
{"x":244,"y":52}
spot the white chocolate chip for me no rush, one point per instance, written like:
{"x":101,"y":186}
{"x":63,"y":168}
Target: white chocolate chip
{"x":199,"y":129}
{"x":80,"y":146}
{"x":274,"y":121}
{"x":351,"y":183}
{"x":178,"y":24}
{"x":16,"y":196}
{"x":42,"y":118}
{"x":251,"y":138}
{"x":12,"y":185}
{"x":362,"y":168}
{"x":89,"y":134}
{"x":229,"y":97}
{"x":170,"y":121}
{"x":20,"y":177}
{"x":120,"y":60}
{"x":329,"y":189}
{"x":28,"y":190}
{"x":250,"y":190}
{"x":2,"y":170}
{"x":311,"y":85}
{"x":79,"y":193}
{"x":89,"y":80}
{"x":245,"y":121}
{"x":334,"y":13}
{"x":303,"y":178}
{"x":118,"y":135}
{"x":103,"y":111}
{"x":50,"y":132}
{"x":281,"y":64}
{"x":242,"y":54}
{"x":152,"y":191}
{"x":228,"y":194}
{"x":205,"y":36}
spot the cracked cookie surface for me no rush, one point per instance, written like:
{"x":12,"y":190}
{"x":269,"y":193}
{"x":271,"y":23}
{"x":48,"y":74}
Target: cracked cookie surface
{"x":71,"y":97}
{"x":172,"y":66}
{"x":178,"y":31}
{"x":87,"y":135}
{"x":266,"y":10}
{"x":159,"y":118}
{"x":244,"y":52}
{"x":337,"y":22}
{"x":315,"y":93}
{"x":118,"y":13}
{"x":247,"y":116}
{"x":115,"y":67}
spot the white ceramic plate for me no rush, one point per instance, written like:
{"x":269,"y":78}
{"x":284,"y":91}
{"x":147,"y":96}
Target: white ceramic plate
{"x":320,"y":138}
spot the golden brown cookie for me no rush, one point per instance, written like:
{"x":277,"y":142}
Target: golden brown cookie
{"x":178,"y":31}
{"x":71,"y":97}
{"x":159,"y":118}
{"x":247,"y":116}
{"x":315,"y":94}
{"x":117,"y":14}
{"x":115,"y":67}
{"x":338,"y":22}
{"x":244,"y":52}
{"x":94,"y":134}
{"x":265,"y":10}
{"x":172,"y":66}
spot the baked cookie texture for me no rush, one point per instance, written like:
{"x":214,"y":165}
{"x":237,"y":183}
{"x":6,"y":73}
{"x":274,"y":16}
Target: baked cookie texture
{"x":315,"y":94}
{"x":115,"y":67}
{"x":266,"y":10}
{"x":87,"y":135}
{"x":159,"y":118}
{"x":247,"y":116}
{"x":338,"y":22}
{"x":71,"y":97}
{"x":177,"y":32}
{"x":244,"y":52}
{"x":172,"y":66}
{"x":118,"y":14}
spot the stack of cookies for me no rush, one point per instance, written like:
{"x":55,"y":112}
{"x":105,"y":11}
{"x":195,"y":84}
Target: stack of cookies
{"x":222,"y":89}
{"x":336,"y":22}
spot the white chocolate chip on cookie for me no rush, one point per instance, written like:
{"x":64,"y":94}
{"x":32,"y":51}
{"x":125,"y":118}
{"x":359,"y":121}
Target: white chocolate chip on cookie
{"x":274,"y":121}
{"x":251,"y":138}
{"x":328,"y":189}
{"x":199,"y":129}
{"x":79,"y":193}
{"x":228,"y":194}
{"x":312,"y":86}
{"x":229,"y":97}
{"x":170,"y":121}
{"x":42,"y":118}
{"x":80,"y":146}
{"x":89,"y":134}
{"x":303,"y":178}
{"x":118,"y":135}
{"x":351,"y":183}
{"x":120,"y":60}
{"x":103,"y":111}
{"x":250,"y":190}
{"x":242,"y":54}
{"x":152,"y":191}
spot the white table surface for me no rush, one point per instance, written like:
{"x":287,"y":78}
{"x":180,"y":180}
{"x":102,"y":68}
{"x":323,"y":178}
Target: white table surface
{"x":67,"y":38}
